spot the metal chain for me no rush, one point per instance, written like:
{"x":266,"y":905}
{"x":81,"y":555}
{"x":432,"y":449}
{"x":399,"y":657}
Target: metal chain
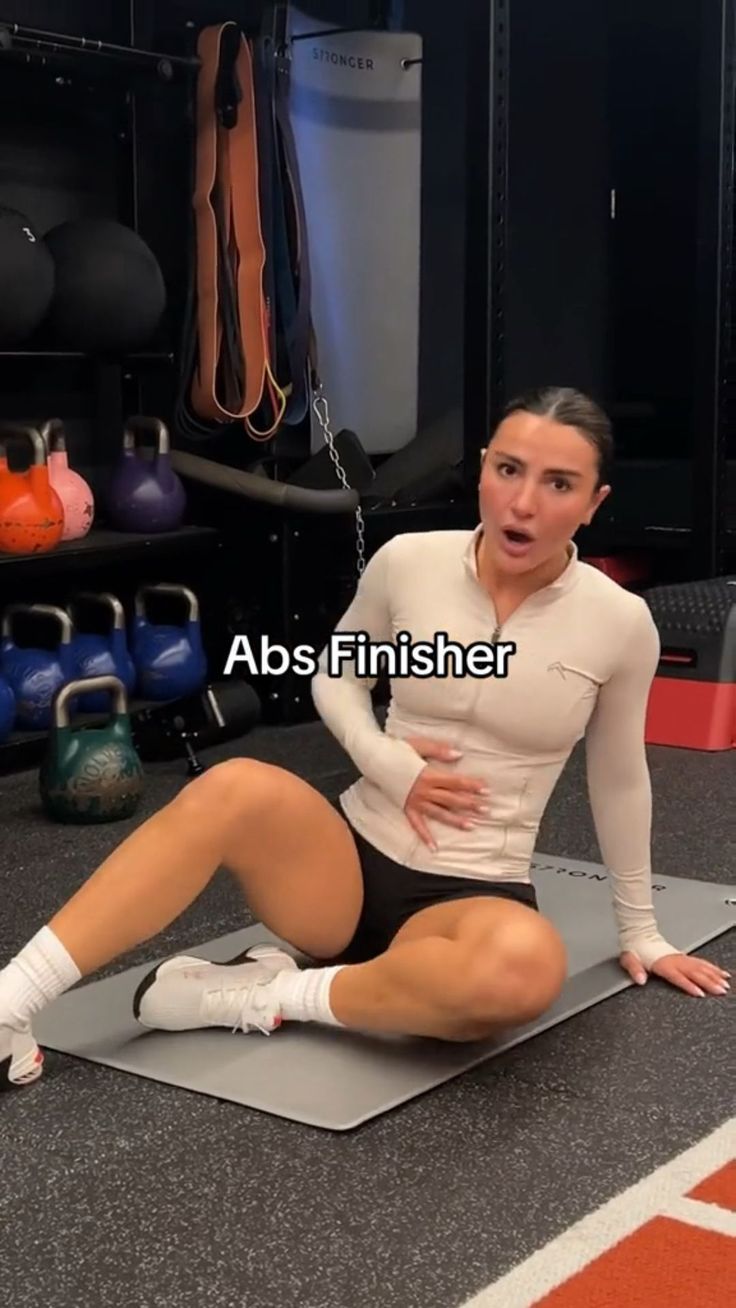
{"x":319,"y":404}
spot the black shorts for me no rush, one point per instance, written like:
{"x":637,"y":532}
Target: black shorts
{"x":393,"y":893}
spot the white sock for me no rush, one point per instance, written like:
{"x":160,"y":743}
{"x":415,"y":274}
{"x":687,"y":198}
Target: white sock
{"x":305,"y":996}
{"x":41,"y":972}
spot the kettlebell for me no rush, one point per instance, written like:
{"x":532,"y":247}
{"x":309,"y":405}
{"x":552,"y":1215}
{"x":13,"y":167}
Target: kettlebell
{"x":100,"y":656}
{"x":7,"y":710}
{"x":169,"y":660}
{"x":145,"y":494}
{"x":73,"y":491}
{"x":93,"y":774}
{"x":31,"y":512}
{"x":35,"y":675}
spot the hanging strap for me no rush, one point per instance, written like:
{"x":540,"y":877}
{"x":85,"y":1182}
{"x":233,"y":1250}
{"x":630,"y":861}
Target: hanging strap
{"x":233,"y":377}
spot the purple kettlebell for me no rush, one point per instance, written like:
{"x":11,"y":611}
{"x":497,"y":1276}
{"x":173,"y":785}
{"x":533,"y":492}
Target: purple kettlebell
{"x":145,"y":494}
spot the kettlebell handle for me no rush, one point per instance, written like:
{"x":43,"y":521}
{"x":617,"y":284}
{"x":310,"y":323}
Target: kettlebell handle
{"x":139,"y":425}
{"x":167,"y":588}
{"x":9,"y":430}
{"x":53,"y":435}
{"x":46,"y":610}
{"x":60,"y":706}
{"x":100,"y":597}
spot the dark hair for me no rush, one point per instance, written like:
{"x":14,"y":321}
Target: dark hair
{"x":573,"y":409}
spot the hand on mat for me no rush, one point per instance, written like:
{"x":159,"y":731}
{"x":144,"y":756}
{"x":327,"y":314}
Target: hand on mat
{"x":447,"y":797}
{"x":694,"y":975}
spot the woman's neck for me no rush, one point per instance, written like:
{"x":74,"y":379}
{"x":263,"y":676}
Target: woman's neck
{"x":517,"y":588}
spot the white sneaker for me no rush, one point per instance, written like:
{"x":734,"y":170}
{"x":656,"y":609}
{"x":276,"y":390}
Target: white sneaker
{"x":21,"y":1060}
{"x":185,"y":994}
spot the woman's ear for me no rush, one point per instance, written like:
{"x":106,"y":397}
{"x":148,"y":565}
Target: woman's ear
{"x":598,"y":499}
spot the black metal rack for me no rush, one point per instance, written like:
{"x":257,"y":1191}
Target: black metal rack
{"x":112,"y":76}
{"x":30,"y":45}
{"x":487,"y":75}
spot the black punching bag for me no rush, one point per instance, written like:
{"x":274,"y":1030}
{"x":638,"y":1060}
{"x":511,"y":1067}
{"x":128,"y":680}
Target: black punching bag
{"x":109,"y":293}
{"x":26,"y":278}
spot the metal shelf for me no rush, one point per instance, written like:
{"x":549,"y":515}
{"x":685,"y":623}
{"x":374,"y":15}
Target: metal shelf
{"x":124,"y":361}
{"x":103,"y":546}
{"x":27,"y":749}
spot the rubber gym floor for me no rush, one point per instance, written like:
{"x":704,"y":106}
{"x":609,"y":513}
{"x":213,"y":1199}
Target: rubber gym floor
{"x":121,"y":1193}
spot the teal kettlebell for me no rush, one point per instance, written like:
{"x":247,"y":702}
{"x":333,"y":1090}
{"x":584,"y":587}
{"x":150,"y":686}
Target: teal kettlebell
{"x":169,"y":659}
{"x":91,"y":774}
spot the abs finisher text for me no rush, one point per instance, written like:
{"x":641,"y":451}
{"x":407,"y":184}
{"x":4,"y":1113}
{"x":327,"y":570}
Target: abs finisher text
{"x":354,"y":652}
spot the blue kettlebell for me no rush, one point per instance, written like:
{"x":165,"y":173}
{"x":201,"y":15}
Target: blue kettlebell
{"x":7,"y":710}
{"x":100,"y":656}
{"x":35,"y":674}
{"x":169,"y":660}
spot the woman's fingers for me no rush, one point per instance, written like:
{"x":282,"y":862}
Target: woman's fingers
{"x":424,"y":810}
{"x":419,"y":825}
{"x":457,"y":803}
{"x":454,"y":792}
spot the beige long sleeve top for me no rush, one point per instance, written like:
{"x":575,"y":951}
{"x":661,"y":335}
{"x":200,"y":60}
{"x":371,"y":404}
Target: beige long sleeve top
{"x":584,"y":653}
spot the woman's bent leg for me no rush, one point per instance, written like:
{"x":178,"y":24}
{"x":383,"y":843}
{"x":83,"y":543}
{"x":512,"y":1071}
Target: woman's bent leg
{"x":458,"y":971}
{"x":293,"y":855}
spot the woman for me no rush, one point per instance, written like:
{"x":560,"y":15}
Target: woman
{"x":412,"y":897}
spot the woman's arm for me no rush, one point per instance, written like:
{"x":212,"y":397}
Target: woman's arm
{"x":344,"y":702}
{"x":620,"y":788}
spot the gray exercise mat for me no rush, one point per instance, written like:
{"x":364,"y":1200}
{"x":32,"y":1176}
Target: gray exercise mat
{"x":336,"y":1079}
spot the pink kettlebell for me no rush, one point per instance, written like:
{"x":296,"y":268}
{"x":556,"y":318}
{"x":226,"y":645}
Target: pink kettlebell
{"x":73,"y":491}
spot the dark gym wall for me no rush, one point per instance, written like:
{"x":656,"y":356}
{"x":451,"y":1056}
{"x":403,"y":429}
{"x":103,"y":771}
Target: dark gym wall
{"x":604,"y":97}
{"x":654,"y":98}
{"x":557,"y":252}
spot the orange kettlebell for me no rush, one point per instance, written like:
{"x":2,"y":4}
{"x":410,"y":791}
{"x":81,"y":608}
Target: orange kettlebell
{"x":31,"y":512}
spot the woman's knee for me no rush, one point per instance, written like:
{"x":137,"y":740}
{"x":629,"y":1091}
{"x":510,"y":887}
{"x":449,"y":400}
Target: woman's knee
{"x":520,"y":969}
{"x":230,"y":790}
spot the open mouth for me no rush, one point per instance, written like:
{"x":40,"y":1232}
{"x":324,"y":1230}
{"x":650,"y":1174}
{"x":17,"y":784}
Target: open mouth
{"x":517,"y":537}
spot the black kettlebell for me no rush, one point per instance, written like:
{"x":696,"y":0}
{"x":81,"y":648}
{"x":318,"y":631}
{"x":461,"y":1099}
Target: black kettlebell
{"x":91,"y":774}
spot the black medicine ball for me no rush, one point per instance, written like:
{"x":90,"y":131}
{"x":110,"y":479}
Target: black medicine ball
{"x":110,"y":293}
{"x":26,"y":278}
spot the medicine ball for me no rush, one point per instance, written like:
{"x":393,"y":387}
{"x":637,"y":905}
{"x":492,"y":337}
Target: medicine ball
{"x":109,"y":293}
{"x":26,"y":278}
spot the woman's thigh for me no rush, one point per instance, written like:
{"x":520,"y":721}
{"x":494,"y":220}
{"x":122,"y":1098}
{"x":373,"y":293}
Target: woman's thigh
{"x":294,"y":856}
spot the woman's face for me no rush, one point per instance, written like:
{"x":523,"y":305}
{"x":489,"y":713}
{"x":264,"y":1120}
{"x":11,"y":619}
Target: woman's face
{"x":537,"y":487}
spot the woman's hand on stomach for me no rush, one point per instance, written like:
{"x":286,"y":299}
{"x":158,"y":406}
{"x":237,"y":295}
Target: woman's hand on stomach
{"x":448,"y":797}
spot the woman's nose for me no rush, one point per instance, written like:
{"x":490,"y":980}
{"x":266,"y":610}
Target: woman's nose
{"x":524,"y":502}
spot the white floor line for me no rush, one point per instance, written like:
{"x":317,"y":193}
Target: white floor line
{"x":570,"y":1252}
{"x":708,"y":1217}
